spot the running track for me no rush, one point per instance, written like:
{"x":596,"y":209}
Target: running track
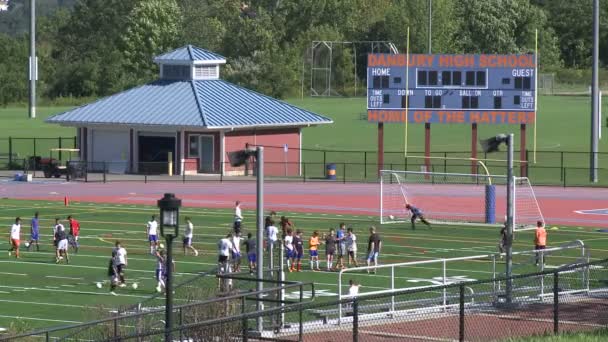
{"x":559,"y":205}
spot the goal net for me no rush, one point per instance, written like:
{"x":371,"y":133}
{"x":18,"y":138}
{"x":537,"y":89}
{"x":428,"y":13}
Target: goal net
{"x":454,"y":198}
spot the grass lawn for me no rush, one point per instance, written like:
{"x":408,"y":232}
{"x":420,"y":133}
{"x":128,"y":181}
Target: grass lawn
{"x":41,"y":293}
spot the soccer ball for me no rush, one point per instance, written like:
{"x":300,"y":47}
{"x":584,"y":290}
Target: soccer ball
{"x":391,"y":217}
{"x":161,"y":246}
{"x":158,"y":289}
{"x":27,"y":245}
{"x":134,"y":286}
{"x":98,"y":285}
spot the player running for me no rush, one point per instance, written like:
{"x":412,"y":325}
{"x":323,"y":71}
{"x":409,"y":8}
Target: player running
{"x":15,"y":238}
{"x":373,"y":247}
{"x":120,"y":262}
{"x":152,"y":230}
{"x":250,"y":246}
{"x":34,"y":232}
{"x":74,"y":233}
{"x":188,"y":234}
{"x":313,"y":246}
{"x":351,"y":247}
{"x":61,"y":239}
{"x":330,"y":248}
{"x":416,"y":213}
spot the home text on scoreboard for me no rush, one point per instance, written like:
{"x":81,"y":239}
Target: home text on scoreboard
{"x":493,"y":89}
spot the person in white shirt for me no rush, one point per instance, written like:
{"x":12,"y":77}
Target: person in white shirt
{"x":15,"y":238}
{"x":353,"y":289}
{"x":224,"y":248}
{"x":272,"y":233}
{"x":119,"y":254}
{"x":152,"y":230}
{"x":351,"y":247}
{"x":289,"y":249}
{"x":188,"y":234}
{"x":236,"y":252}
{"x":238,"y":217}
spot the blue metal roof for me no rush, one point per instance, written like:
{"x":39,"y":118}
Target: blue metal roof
{"x":190,"y":53}
{"x":211,"y":104}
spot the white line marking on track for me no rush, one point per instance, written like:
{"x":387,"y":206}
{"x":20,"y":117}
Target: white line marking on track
{"x":5,"y":292}
{"x":48,"y":304}
{"x":70,"y":291}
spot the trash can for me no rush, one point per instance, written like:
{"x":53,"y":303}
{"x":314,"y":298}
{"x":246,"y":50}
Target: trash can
{"x":331,"y":171}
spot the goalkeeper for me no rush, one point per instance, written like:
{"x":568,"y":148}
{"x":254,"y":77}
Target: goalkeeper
{"x":416,"y":213}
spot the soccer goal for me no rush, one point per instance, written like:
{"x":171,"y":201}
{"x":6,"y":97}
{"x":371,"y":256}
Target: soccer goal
{"x":455,"y":198}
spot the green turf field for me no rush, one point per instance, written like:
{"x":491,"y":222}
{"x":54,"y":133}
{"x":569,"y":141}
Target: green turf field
{"x":41,"y":293}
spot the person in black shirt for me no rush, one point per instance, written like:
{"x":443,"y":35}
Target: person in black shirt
{"x":299,"y":247}
{"x":330,"y":248}
{"x":250,"y":249}
{"x":373,"y":247}
{"x":502,"y":244}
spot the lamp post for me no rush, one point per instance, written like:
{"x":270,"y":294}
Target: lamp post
{"x":169,"y":229}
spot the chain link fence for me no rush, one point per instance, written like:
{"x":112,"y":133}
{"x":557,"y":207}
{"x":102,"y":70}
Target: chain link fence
{"x":572,"y":298}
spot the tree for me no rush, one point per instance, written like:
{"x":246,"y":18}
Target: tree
{"x":152,"y":28}
{"x":13,"y":69}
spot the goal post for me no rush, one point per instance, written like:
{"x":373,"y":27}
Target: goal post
{"x":456,"y":198}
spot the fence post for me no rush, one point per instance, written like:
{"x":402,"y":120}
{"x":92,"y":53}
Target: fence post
{"x":75,"y":143}
{"x":562,"y":160}
{"x":104,"y":172}
{"x":300,"y":318}
{"x":244,"y":323}
{"x":461,"y":314}
{"x":48,"y":337}
{"x":564,"y":178}
{"x":183,"y":166}
{"x":59,"y":145}
{"x":181,"y":323}
{"x":324,"y":160}
{"x":355,"y":320}
{"x":344,"y":173}
{"x":445,"y":162}
{"x":556,"y":303}
{"x":304,"y":172}
{"x":10,"y":151}
{"x":115,"y":328}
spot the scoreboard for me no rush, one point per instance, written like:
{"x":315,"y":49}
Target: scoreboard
{"x":483,"y":88}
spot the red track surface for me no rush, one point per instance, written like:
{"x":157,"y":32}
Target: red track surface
{"x":559,"y":205}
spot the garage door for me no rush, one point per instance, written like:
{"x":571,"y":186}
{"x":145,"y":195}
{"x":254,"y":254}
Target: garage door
{"x":111,"y":147}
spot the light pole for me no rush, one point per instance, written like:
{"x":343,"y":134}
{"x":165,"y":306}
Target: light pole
{"x":169,"y":229}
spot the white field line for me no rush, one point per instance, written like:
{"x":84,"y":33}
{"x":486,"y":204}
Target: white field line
{"x":36,"y":264}
{"x":22,"y":289}
{"x":15,"y":274}
{"x":72,"y":278}
{"x":47,"y":304}
{"x":39,"y":319}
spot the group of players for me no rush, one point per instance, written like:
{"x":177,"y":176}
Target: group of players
{"x":62,"y":239}
{"x":340,"y":243}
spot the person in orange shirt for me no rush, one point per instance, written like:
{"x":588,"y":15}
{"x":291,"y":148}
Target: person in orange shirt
{"x":540,"y":239}
{"x":313,"y":246}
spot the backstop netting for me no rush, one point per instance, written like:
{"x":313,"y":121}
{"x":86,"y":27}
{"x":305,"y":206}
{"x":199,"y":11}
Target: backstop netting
{"x":454,"y":198}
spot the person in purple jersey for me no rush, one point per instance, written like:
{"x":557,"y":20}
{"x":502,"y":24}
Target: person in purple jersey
{"x":416,"y":213}
{"x":34,"y":232}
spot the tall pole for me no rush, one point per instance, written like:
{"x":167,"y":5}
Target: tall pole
{"x":594,"y":94}
{"x":510,"y":213}
{"x":430,"y":23}
{"x":259,"y":164}
{"x":33,"y":65}
{"x":169,"y":289}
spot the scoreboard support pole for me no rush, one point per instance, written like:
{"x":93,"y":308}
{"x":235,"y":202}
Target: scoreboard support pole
{"x":523,"y":164}
{"x":474,"y":148}
{"x":380,"y":147}
{"x":427,"y":146}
